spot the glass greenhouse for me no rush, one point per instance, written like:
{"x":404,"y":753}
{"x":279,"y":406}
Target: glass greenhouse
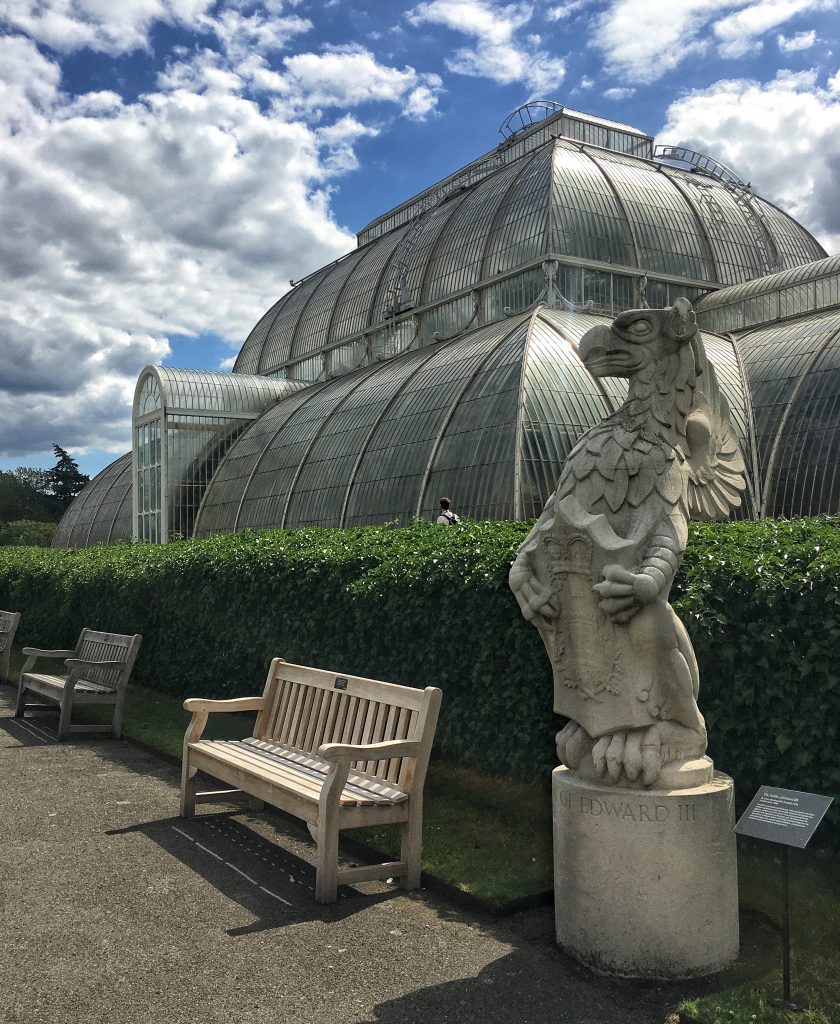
{"x":440,"y":355}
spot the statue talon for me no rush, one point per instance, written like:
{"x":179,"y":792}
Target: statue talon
{"x":594,"y":575}
{"x":573,"y":744}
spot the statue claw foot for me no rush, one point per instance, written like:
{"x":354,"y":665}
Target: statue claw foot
{"x":573,"y":744}
{"x":641,"y":753}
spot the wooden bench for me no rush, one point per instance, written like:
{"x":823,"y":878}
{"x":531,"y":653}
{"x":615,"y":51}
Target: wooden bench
{"x":337,"y":751}
{"x":96,"y":671}
{"x":8,"y":627}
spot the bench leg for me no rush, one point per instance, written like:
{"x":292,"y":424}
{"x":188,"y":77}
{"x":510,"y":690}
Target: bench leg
{"x":116,"y":722}
{"x":188,"y":788}
{"x":326,"y":874}
{"x":64,"y":717}
{"x":21,"y":700}
{"x":411,"y":838}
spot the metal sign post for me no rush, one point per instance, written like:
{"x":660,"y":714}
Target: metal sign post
{"x":790,"y":818}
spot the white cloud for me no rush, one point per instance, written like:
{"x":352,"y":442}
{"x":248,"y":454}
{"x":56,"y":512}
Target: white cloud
{"x":347,"y":76}
{"x":562,"y":11}
{"x":644,"y":39}
{"x":183,"y":212}
{"x":800,"y":41}
{"x":109,"y":27}
{"x":739,"y":33}
{"x":784,"y":136}
{"x":120,"y":26}
{"x":498,"y":52}
{"x":618,"y":94}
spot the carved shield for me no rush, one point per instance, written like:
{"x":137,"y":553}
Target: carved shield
{"x":607,"y":676}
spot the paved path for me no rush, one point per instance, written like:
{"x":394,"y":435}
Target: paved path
{"x":113,"y":909}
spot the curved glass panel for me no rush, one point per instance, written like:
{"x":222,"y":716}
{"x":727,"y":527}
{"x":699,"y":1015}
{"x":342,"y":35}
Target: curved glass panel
{"x":403,"y":274}
{"x":278,"y":338}
{"x":101,"y":512}
{"x":150,"y":398}
{"x":792,"y":370}
{"x":228,"y":489}
{"x":667,"y":232}
{"x":354,"y":308}
{"x":475,"y":455}
{"x":312,"y":328}
{"x":586,"y":218}
{"x":801,"y":289}
{"x":520,"y":226}
{"x":456,"y":260}
{"x":248,"y":360}
{"x":422,"y":442}
{"x":215,"y":391}
{"x":807,"y":464}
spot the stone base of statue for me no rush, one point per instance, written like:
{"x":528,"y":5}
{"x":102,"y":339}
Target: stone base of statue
{"x":645,"y":881}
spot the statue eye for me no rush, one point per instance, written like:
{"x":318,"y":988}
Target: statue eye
{"x":639,"y":328}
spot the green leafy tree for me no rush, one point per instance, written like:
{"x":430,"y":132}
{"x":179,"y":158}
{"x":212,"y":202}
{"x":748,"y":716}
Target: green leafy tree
{"x":65,"y":480}
{"x":37,"y":479}
{"x":20,"y":500}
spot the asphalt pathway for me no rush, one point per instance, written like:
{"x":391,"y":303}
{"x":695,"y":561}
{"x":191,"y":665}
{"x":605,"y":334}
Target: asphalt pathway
{"x":113,"y":909}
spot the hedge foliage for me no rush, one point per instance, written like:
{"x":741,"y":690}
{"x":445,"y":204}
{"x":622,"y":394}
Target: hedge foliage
{"x":430,"y":605}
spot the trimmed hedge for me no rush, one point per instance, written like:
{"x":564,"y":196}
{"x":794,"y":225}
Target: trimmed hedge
{"x":427,"y":605}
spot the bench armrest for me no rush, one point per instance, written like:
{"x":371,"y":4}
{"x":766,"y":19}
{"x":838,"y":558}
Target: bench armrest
{"x":369,"y":751}
{"x":35,"y":652}
{"x":202,"y":708}
{"x":236,"y":704}
{"x":80,"y":664}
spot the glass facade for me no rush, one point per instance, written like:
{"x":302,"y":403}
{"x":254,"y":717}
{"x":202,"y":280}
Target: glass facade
{"x":184,"y":422}
{"x":488,"y":418}
{"x":440,"y":356}
{"x":803,"y":289}
{"x":793,"y":370}
{"x":623,"y":230}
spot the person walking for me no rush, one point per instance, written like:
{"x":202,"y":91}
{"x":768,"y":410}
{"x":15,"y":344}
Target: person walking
{"x":446,"y":517}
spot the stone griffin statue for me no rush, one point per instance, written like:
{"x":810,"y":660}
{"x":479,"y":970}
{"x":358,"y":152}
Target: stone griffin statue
{"x":595,"y":573}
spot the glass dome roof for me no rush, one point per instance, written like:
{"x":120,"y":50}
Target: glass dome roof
{"x":572,"y":202}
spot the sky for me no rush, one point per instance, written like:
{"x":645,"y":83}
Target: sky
{"x":168,"y":166}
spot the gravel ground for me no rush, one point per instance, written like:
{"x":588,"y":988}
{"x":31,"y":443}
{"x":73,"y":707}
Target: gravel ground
{"x":114,"y":909}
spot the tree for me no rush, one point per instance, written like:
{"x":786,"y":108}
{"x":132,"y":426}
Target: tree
{"x":65,"y":479}
{"x":37,"y":479}
{"x":20,"y":500}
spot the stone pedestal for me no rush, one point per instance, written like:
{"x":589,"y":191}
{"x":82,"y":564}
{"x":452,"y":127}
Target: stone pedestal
{"x":645,"y":881}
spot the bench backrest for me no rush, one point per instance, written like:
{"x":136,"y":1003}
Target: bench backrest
{"x":309,"y":706}
{"x":96,"y":646}
{"x":8,"y":626}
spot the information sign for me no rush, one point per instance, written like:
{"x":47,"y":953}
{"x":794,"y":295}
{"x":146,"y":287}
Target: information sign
{"x":783,"y":816}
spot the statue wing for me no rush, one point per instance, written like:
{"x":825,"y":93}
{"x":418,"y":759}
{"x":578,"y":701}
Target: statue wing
{"x":713,"y":457}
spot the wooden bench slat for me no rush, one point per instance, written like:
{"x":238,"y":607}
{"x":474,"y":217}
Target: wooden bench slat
{"x":357,"y":778}
{"x":57,"y":683}
{"x":310,"y":772}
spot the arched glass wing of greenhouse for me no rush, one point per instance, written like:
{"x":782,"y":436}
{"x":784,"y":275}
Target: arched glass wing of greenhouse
{"x":101,"y":512}
{"x":487,"y":419}
{"x":184,"y":422}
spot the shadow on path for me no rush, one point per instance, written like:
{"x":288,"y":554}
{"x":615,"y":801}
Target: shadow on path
{"x":272,"y":884}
